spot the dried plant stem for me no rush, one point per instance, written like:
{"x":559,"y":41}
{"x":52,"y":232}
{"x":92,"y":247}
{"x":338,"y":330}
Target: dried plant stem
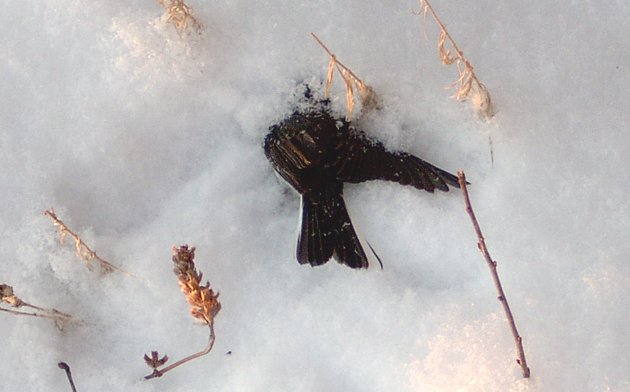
{"x":160,"y":372}
{"x":443,"y":30}
{"x":481,"y":244}
{"x":20,"y":313}
{"x":7,"y":296}
{"x":66,"y":368}
{"x":368,"y":96}
{"x":340,"y":66}
{"x":83,"y":250}
{"x":467,"y":77}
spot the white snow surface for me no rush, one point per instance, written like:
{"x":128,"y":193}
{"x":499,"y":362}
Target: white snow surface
{"x":141,"y":138}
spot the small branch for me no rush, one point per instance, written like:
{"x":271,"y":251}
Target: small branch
{"x":82,"y":249}
{"x":64,"y":366}
{"x":481,"y":244}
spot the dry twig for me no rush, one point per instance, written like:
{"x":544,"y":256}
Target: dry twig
{"x":180,"y":15}
{"x":204,"y":306}
{"x":7,"y":296}
{"x":481,"y":244}
{"x":83,"y":251}
{"x":66,"y":368}
{"x":468,"y":81}
{"x":351,"y":81}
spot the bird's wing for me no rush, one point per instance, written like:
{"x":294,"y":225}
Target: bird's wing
{"x":361,"y":160}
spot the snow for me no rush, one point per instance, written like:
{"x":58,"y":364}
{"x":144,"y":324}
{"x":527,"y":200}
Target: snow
{"x":141,"y":138}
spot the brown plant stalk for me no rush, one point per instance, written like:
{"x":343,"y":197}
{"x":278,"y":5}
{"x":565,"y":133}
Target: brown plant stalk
{"x":351,"y":81}
{"x":83,"y":251}
{"x":204,"y":306}
{"x":481,"y":244}
{"x":467,"y":81}
{"x":8,"y":296}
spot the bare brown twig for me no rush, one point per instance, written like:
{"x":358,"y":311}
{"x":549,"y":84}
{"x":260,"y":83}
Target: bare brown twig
{"x":468,"y":81}
{"x":368,"y":96}
{"x":481,"y":244}
{"x":204,"y":306}
{"x":7,"y":296}
{"x":83,"y":251}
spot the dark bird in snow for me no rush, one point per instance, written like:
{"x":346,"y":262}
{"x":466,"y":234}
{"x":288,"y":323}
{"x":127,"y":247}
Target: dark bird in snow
{"x":316,"y":154}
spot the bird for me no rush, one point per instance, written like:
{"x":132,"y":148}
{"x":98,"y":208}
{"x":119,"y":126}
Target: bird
{"x":316,"y":154}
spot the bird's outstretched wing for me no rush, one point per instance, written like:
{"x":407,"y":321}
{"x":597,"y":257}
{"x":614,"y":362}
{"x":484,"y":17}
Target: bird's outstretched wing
{"x":360,"y":159}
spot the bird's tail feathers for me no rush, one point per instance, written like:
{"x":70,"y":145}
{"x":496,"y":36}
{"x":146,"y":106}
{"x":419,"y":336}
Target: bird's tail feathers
{"x":326,"y":231}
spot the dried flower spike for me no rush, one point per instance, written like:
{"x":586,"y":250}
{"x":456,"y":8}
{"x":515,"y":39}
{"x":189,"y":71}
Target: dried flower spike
{"x":204,"y":306}
{"x":468,"y":82}
{"x":7,"y":295}
{"x":351,"y":81}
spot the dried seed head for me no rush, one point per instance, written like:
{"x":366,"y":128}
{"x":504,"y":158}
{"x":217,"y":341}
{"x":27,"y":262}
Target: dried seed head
{"x":154,"y":361}
{"x":7,"y":295}
{"x":204,"y":303}
{"x":180,"y":15}
{"x":369,"y":100}
{"x":468,"y":81}
{"x":482,"y":102}
{"x":351,"y":81}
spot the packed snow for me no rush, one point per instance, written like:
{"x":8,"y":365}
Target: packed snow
{"x":141,"y":137}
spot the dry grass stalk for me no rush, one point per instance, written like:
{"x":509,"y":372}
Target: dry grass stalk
{"x":367,"y":95}
{"x":83,"y":251}
{"x":468,"y":83}
{"x":180,"y":15}
{"x":8,"y":296}
{"x":204,"y":306}
{"x":481,"y":244}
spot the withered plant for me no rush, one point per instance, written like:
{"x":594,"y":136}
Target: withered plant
{"x":180,"y":15}
{"x":83,"y":251}
{"x":367,"y":95}
{"x":204,"y":306}
{"x":467,"y":86}
{"x":7,"y":296}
